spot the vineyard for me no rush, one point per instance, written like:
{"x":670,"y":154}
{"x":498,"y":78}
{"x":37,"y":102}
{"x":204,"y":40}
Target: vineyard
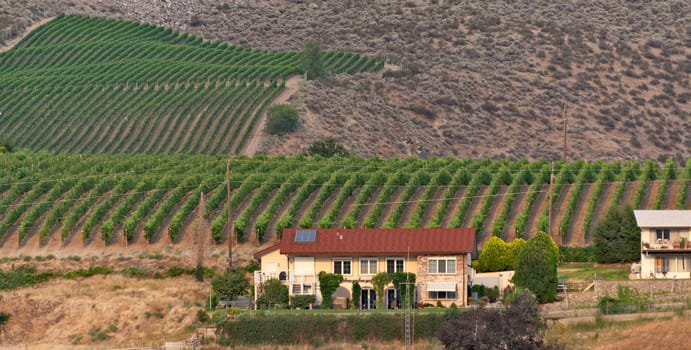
{"x":55,"y":201}
{"x":90,"y":85}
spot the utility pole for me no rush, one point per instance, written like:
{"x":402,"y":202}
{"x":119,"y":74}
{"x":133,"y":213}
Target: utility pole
{"x":230,"y":222}
{"x":549,"y":209}
{"x":565,"y":127}
{"x":200,"y":232}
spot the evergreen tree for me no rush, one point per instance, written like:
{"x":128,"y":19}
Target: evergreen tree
{"x":617,"y":237}
{"x":312,"y":61}
{"x":536,"y":268}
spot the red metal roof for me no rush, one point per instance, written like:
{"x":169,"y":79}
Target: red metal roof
{"x":382,"y":241}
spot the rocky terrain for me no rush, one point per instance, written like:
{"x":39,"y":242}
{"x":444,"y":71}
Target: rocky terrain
{"x":465,"y":78}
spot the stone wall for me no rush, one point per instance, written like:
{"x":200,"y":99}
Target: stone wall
{"x":459,"y":278}
{"x":661,"y":290}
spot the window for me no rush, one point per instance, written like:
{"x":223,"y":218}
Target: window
{"x":301,"y":289}
{"x":342,"y":266}
{"x":662,"y":233}
{"x":442,"y":295}
{"x":394,"y":265}
{"x":368,"y":266}
{"x":447,"y":265}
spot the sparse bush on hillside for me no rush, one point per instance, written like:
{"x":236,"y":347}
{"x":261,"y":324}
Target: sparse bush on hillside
{"x":281,"y":119}
{"x":327,"y":148}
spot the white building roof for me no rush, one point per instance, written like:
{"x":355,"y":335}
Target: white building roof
{"x":663,"y":218}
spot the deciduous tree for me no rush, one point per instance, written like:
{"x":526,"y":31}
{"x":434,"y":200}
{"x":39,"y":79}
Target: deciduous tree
{"x":272,"y":292}
{"x":230,"y":285}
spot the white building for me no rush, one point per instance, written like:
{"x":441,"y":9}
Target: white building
{"x":665,"y":246}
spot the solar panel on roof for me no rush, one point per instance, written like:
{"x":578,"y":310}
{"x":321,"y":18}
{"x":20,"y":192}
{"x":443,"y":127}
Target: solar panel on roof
{"x":305,"y":235}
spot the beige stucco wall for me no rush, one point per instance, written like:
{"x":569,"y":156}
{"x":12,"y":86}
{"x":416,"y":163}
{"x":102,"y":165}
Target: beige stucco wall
{"x":679,"y":264}
{"x":414,"y":264}
{"x":272,"y":263}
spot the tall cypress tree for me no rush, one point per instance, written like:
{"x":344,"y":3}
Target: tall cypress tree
{"x":312,"y":61}
{"x":536,"y":268}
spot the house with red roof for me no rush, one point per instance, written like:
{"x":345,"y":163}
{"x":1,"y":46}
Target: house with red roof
{"x":439,"y":258}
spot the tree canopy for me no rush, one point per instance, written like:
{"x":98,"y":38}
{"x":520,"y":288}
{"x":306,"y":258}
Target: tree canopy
{"x":536,"y":268}
{"x":272,"y":293}
{"x":281,"y":119}
{"x":312,"y":61}
{"x":230,"y":285}
{"x":617,"y":237}
{"x":494,"y":256}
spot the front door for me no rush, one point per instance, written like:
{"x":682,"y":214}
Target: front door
{"x":368,"y":298}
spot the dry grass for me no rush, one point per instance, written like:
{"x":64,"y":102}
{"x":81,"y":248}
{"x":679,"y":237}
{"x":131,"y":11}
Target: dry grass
{"x":129,"y":312}
{"x":639,"y":335}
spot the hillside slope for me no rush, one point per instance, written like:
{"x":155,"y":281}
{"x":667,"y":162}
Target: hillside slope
{"x":89,"y":85}
{"x":471,"y":70}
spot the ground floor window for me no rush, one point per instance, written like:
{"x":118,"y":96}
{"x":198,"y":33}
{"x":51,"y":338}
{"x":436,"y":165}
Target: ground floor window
{"x":299,"y":289}
{"x":442,"y":295}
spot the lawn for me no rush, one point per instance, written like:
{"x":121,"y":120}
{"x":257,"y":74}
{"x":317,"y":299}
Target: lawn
{"x":587,"y":271}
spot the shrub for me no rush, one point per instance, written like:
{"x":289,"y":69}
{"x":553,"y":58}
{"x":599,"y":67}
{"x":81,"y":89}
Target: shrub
{"x":494,"y":256}
{"x":488,"y":329}
{"x":272,"y":293}
{"x":302,"y":301}
{"x":328,"y":282}
{"x":202,"y":316}
{"x":281,"y":119}
{"x":327,"y":148}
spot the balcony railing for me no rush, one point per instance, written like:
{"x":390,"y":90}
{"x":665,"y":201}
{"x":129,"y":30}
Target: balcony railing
{"x":666,"y":246}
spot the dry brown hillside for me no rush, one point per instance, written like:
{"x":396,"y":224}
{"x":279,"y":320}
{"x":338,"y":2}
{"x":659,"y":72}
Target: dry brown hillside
{"x":465,"y":78}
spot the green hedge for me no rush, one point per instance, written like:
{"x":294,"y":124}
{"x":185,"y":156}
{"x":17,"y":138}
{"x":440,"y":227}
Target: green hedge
{"x":311,"y":329}
{"x":577,"y":254}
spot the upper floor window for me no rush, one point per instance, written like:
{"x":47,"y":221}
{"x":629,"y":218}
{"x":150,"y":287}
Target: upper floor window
{"x":368,"y":266}
{"x":445,"y":265}
{"x":662,"y":233}
{"x":394,"y":265}
{"x":342,"y":266}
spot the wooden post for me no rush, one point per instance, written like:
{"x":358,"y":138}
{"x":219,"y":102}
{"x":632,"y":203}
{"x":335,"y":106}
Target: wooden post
{"x":230,"y":222}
